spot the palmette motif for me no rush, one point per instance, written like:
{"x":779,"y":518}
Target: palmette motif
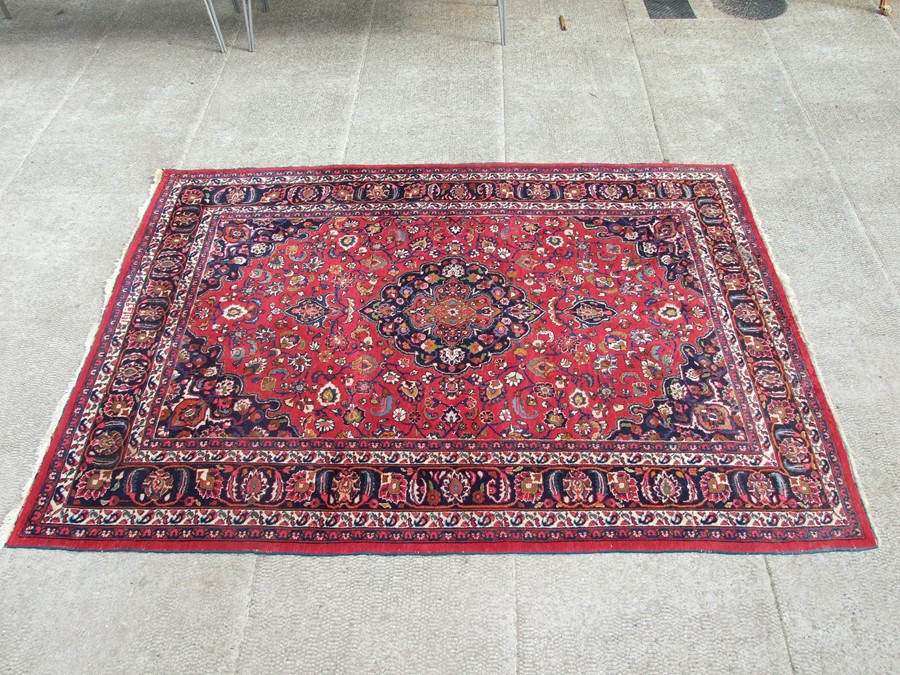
{"x":450,"y":358}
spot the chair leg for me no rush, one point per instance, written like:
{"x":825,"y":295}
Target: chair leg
{"x":248,"y":20}
{"x":237,"y":5}
{"x":213,"y":19}
{"x":501,"y":7}
{"x":265,"y":5}
{"x":4,"y":10}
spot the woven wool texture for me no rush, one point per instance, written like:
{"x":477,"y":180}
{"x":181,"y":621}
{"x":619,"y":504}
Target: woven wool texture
{"x":447,"y":358}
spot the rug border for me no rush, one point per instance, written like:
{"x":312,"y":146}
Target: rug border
{"x":868,"y":541}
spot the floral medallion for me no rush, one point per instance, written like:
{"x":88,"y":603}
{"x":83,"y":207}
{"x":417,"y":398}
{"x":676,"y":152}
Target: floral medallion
{"x":452,"y":315}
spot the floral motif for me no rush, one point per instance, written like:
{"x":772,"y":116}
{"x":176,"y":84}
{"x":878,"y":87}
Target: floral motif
{"x":529,"y":486}
{"x":93,"y":484}
{"x":577,"y":488}
{"x":301,"y":485}
{"x":452,"y":315}
{"x":715,"y":488}
{"x":623,"y":487}
{"x":345,"y":487}
{"x":393,"y":487}
{"x":456,"y":486}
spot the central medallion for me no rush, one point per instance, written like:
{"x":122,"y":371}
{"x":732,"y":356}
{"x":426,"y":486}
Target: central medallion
{"x":452,"y":315}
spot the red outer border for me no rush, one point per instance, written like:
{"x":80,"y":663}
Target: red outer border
{"x":328,"y":547}
{"x":841,"y":450}
{"x":16,"y":538}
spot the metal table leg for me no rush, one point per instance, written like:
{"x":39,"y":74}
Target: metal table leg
{"x":215,"y":24}
{"x":501,"y":7}
{"x":248,"y":20}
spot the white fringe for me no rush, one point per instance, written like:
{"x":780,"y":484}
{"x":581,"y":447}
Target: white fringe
{"x":794,"y":307}
{"x":10,"y":519}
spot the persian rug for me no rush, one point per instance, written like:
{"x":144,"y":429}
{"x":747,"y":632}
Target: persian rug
{"x":447,"y":359}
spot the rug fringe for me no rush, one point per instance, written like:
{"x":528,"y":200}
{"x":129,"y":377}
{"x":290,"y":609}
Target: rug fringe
{"x":794,"y":306}
{"x":9,"y":520}
{"x":793,"y":302}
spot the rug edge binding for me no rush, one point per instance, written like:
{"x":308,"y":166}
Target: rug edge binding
{"x":794,"y":308}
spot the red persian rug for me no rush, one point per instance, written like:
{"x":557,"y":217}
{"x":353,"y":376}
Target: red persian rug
{"x":443,"y":359}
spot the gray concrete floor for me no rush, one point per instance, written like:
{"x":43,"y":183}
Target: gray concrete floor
{"x":95,"y":96}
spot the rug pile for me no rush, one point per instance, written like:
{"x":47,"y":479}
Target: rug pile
{"x":447,"y":358}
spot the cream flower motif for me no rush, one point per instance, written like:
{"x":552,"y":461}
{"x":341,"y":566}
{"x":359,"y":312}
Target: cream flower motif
{"x":328,"y":395}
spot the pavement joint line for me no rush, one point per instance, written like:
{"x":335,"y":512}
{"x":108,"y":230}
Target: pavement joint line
{"x":857,"y":216}
{"x":8,"y":519}
{"x":363,"y":60}
{"x":55,"y":112}
{"x":504,"y":149}
{"x":192,"y":134}
{"x":517,"y":615}
{"x":781,"y":622}
{"x":895,"y":29}
{"x":244,"y":618}
{"x":662,"y":153}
